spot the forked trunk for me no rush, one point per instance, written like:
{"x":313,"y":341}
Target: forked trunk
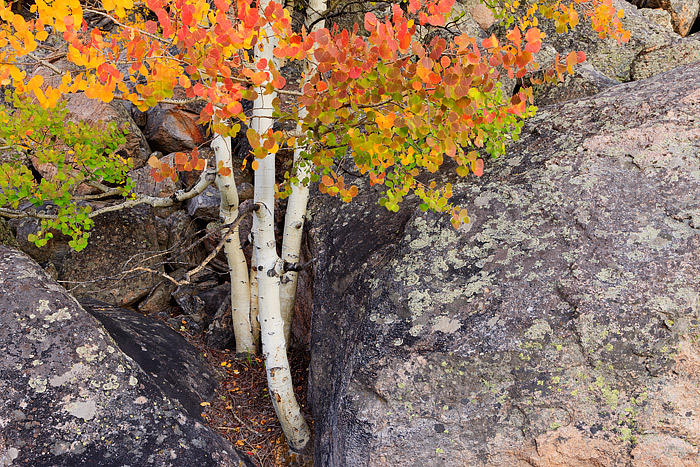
{"x":269,"y":270}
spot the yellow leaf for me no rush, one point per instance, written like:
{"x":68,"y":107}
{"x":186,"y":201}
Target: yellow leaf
{"x":204,"y":404}
{"x":254,"y":165}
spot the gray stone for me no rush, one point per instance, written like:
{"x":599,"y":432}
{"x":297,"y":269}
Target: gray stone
{"x":586,"y":81}
{"x":119,"y":242}
{"x":69,"y":397}
{"x":559,"y":327}
{"x":7,"y":238}
{"x":655,"y":61}
{"x":206,"y":205}
{"x":683,"y":13}
{"x":174,"y":365}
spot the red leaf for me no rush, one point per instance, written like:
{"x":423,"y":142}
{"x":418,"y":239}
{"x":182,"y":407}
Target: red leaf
{"x":370,"y":22}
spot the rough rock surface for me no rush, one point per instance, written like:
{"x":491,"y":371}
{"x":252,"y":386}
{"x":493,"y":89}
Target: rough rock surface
{"x":586,"y":81}
{"x":70,"y":398}
{"x":558,"y":328}
{"x":119,"y":242}
{"x":174,"y":365}
{"x":169,"y":129}
{"x":658,"y":60}
{"x":683,"y":13}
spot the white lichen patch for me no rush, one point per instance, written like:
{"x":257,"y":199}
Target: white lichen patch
{"x":37,"y":334}
{"x":60,"y":315}
{"x":446,"y":325}
{"x":649,"y":236}
{"x":415,"y":330}
{"x":38,"y":383}
{"x":77,"y":371}
{"x":43,"y":307}
{"x":8,"y":456}
{"x":82,"y":409}
{"x":133,"y":381}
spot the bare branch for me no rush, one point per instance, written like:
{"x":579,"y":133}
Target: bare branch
{"x":205,"y":180}
{"x":231,"y":228}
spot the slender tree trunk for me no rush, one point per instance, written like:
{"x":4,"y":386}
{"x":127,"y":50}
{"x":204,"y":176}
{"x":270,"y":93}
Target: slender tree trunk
{"x":296,"y":206}
{"x":254,"y":321}
{"x":269,"y":270}
{"x":238,"y":267}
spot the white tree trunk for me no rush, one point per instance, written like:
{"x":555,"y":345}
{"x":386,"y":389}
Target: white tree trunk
{"x":291,"y":246}
{"x":238,"y":267}
{"x":269,"y":270}
{"x":254,"y":321}
{"x":296,"y":206}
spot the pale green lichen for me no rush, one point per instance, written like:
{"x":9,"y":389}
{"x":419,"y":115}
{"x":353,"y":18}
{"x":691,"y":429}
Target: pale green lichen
{"x":60,"y":315}
{"x":38,"y":383}
{"x":111,"y":383}
{"x":88,"y":352}
{"x":539,"y":329}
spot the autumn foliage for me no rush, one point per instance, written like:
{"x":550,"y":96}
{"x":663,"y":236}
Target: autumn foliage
{"x":392,"y":96}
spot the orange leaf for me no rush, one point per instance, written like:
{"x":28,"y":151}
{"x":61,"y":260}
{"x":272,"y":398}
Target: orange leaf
{"x":254,"y":165}
{"x":154,"y":162}
{"x":479,"y":167}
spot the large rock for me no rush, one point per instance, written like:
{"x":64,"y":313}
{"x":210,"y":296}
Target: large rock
{"x":170,"y":129}
{"x":120,"y":242}
{"x":558,"y":328}
{"x":683,"y":13}
{"x":655,"y":61}
{"x":69,"y":397}
{"x":174,"y":365}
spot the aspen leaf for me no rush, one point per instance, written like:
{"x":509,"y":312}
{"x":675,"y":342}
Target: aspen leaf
{"x":154,"y":162}
{"x":151,"y":26}
{"x":254,"y":165}
{"x":479,"y":167}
